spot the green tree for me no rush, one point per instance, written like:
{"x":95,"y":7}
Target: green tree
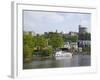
{"x":70,"y":38}
{"x":28,"y":46}
{"x":27,"y":53}
{"x":29,"y":40}
{"x":41,"y":42}
{"x":56,"y":40}
{"x":42,"y":46}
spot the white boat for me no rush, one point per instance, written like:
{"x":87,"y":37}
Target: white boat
{"x":63,"y":54}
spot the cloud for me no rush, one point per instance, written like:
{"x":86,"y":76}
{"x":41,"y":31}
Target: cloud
{"x":44,"y":16}
{"x":38,"y":20}
{"x":42,"y":21}
{"x":54,"y":17}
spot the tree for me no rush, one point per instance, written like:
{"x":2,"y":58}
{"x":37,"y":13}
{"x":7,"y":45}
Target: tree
{"x":46,"y":52}
{"x":41,"y":42}
{"x":29,"y":40}
{"x":56,"y":40}
{"x":28,"y":46}
{"x":71,"y":38}
{"x":27,"y":53}
{"x":42,"y":46}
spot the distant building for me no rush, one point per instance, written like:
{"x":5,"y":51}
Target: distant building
{"x":73,"y":33}
{"x":74,"y":46}
{"x":30,"y":32}
{"x":83,"y":41}
{"x":67,"y":45}
{"x":71,"y":46}
{"x":82,"y":29}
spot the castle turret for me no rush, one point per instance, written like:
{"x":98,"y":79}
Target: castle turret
{"x":82,"y":29}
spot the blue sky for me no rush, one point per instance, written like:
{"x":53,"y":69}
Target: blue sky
{"x":42,"y":21}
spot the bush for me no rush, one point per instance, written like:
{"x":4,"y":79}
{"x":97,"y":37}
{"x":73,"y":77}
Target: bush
{"x":87,"y":49}
{"x":27,"y":53}
{"x":44,"y":52}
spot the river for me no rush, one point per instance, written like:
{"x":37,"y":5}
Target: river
{"x":76,"y":61}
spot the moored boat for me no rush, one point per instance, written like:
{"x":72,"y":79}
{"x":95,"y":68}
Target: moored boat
{"x":63,"y":54}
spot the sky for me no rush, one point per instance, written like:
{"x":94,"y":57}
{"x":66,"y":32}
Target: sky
{"x":42,"y":21}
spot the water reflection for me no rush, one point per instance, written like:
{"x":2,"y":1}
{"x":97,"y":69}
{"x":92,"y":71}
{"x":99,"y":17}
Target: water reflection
{"x":75,"y":61}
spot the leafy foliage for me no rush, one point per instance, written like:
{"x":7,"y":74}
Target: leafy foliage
{"x":28,"y":44}
{"x":71,"y":38}
{"x":56,"y":40}
{"x":41,"y":42}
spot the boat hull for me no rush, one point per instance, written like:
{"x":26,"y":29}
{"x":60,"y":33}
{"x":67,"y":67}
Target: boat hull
{"x":63,"y":54}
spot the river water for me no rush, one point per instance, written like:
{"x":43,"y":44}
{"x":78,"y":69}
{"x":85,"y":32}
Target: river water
{"x":75,"y":61}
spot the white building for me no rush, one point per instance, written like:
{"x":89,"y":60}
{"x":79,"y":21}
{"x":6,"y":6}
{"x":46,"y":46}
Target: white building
{"x":71,"y":45}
